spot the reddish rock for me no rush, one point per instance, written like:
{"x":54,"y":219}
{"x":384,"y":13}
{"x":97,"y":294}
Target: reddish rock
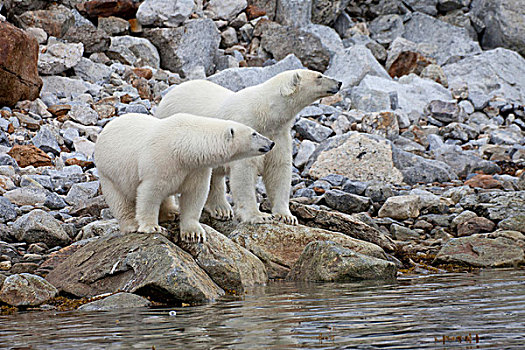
{"x":19,"y":78}
{"x":145,"y":73}
{"x":253,"y":12}
{"x":119,"y":8}
{"x":26,"y":155}
{"x":142,"y":87}
{"x":59,"y":110}
{"x":484,"y":181}
{"x":409,"y":62}
{"x":55,"y":21}
{"x":475,"y":225}
{"x":82,"y":163}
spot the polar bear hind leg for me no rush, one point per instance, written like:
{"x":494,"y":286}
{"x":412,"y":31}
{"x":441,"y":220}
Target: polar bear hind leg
{"x":216,"y":204}
{"x":122,"y":208}
{"x":168,"y":209}
{"x":149,"y":199}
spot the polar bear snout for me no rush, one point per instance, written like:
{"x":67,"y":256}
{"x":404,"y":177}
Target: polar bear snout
{"x":335,"y":88}
{"x":262,"y":144}
{"x":267,"y":148}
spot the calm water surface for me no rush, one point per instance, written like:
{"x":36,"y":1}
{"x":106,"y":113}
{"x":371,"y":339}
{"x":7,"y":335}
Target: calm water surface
{"x":414,"y":313}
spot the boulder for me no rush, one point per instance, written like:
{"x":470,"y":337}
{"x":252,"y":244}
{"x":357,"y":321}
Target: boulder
{"x":326,"y":261}
{"x":26,"y":290}
{"x":39,"y":226}
{"x":55,"y":21}
{"x":279,"y":245}
{"x":475,"y":225}
{"x":19,"y":78}
{"x":134,"y":51}
{"x":29,"y":155}
{"x":113,"y":25}
{"x":147,"y":265}
{"x":464,"y":162}
{"x":119,"y":8}
{"x":495,"y":205}
{"x":93,"y":39}
{"x":162,"y":13}
{"x":226,"y":9}
{"x":346,"y":202}
{"x":47,"y":139}
{"x":187,"y":48}
{"x":82,"y":192}
{"x":481,"y":251}
{"x":310,"y":130}
{"x":384,"y":124}
{"x":400,"y":207}
{"x":426,"y":6}
{"x":293,"y":12}
{"x":7,"y":210}
{"x":59,"y":57}
{"x":95,"y":73}
{"x":326,"y":11}
{"x":67,"y":87}
{"x":116,"y":301}
{"x":385,"y":29}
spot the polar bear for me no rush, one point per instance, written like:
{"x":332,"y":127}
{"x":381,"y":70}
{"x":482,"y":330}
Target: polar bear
{"x":141,"y":160}
{"x":269,"y":108}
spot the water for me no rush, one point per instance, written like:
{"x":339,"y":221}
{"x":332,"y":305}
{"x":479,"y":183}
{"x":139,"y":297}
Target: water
{"x":414,"y":313}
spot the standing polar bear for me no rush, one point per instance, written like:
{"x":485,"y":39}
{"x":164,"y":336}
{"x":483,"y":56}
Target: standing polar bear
{"x":269,"y":108}
{"x":142,"y":160}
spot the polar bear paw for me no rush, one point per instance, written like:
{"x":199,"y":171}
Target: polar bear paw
{"x":259,"y":218}
{"x":151,"y":228}
{"x":220,"y":211}
{"x":286,"y":219}
{"x":195,"y":234}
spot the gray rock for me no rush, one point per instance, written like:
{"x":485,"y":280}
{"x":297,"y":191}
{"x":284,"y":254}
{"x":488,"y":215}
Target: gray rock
{"x":94,"y":40}
{"x":326,"y":261}
{"x":506,"y":137}
{"x":444,"y":111}
{"x":463,"y":162}
{"x":39,"y":226}
{"x":352,"y":65}
{"x":59,"y":57}
{"x":402,"y":233}
{"x":7,"y":210}
{"x":330,"y":40}
{"x":46,"y":140}
{"x":27,"y":195}
{"x":326,"y":11}
{"x":346,"y":202}
{"x":378,"y":192}
{"x":96,"y":73}
{"x":355,"y":187}
{"x":229,"y":38}
{"x":426,"y":6}
{"x":383,"y":124}
{"x":84,"y":114}
{"x":497,"y":72}
{"x":418,"y":169}
{"x":54,"y":201}
{"x":306,"y":149}
{"x":237,"y":79}
{"x":66,"y":87}
{"x":495,"y":205}
{"x":134,"y":51}
{"x":98,"y":228}
{"x":400,"y":207}
{"x":293,"y":12}
{"x":459,"y":131}
{"x":447,"y":43}
{"x":162,"y":13}
{"x":311,"y":130}
{"x":226,"y":9}
{"x":186,"y":48}
{"x":116,"y":301}
{"x":481,"y":251}
{"x":385,"y":29}
{"x":113,"y":25}
{"x":149,"y":265}
{"x":459,"y":18}
{"x":81,"y":192}
{"x":26,"y":290}
{"x":504,"y":23}
{"x":513,"y":223}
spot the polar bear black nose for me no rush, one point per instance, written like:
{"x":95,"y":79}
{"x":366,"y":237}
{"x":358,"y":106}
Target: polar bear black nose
{"x":268,"y":148}
{"x":339,"y":84}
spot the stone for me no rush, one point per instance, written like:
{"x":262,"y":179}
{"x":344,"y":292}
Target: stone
{"x":17,"y":7}
{"x":385,"y":29}
{"x":134,"y":51}
{"x":59,"y":57}
{"x":294,"y":13}
{"x":475,"y":225}
{"x":463,"y":162}
{"x":84,"y":114}
{"x":229,"y":38}
{"x":39,"y":226}
{"x":436,"y":73}
{"x":95,"y":73}
{"x":19,"y":78}
{"x":269,"y":6}
{"x":495,"y":206}
{"x":506,"y":137}
{"x":381,"y":123}
{"x":330,"y":40}
{"x":237,"y":79}
{"x":113,"y":25}
{"x":253,"y":12}
{"x":55,"y":21}
{"x":306,"y":149}
{"x":98,"y":228}
{"x":444,"y":111}
{"x":162,"y":13}
{"x":26,"y":290}
{"x":29,"y":155}
{"x":462,"y":217}
{"x":279,"y":246}
{"x":513,"y":223}
{"x":326,"y":261}
{"x":226,"y":9}
{"x":93,"y":39}
{"x":66,"y":87}
{"x":148,"y":265}
{"x":326,"y":12}
{"x":504,"y":23}
{"x":400,"y":207}
{"x":46,"y":140}
{"x":119,"y":8}
{"x":484,"y":181}
{"x":346,"y":202}
{"x":310,"y":130}
{"x":116,"y":301}
{"x":185,"y":48}
{"x":356,"y":156}
{"x":7,"y":210}
{"x":353,"y":64}
{"x":81,"y":192}
{"x":27,"y":195}
{"x":481,"y":251}
{"x":378,"y":192}
{"x":402,"y":233}
{"x":407,"y":62}
{"x":231,"y":266}
{"x":446,"y":42}
{"x":426,"y":6}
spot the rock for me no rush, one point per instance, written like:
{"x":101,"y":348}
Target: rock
{"x":425,"y":6}
{"x":27,"y":195}
{"x":310,"y":130}
{"x":293,"y":13}
{"x":147,"y":265}
{"x":39,"y":226}
{"x":7,"y":210}
{"x":513,"y":223}
{"x":484,"y":181}
{"x":66,"y":87}
{"x":326,"y":261}
{"x":504,"y":23}
{"x":497,"y":72}
{"x":96,"y":73}
{"x":506,"y":137}
{"x":385,"y":29}
{"x":279,"y":245}
{"x":407,"y":62}
{"x":91,"y":207}
{"x":186,"y":48}
{"x":346,"y":202}
{"x":402,"y":233}
{"x":464,"y":216}
{"x":46,"y":140}
{"x":325,"y":12}
{"x":464,"y":163}
{"x":93,"y":39}
{"x":134,"y":51}
{"x":269,"y":6}
{"x":475,"y":225}
{"x":353,"y":64}
{"x":18,"y":66}
{"x":232,"y":267}
{"x":29,"y":155}
{"x":161,"y":13}
{"x":400,"y":207}
{"x":481,"y":251}
{"x":98,"y":228}
{"x":84,"y":147}
{"x":495,"y":206}
{"x":357,"y":156}
{"x":304,"y":45}
{"x":330,"y":40}
{"x":382,"y":123}
{"x":229,"y":38}
{"x":59,"y":57}
{"x":446,"y":112}
{"x":119,"y":8}
{"x":239,"y":78}
{"x":17,"y":7}
{"x":84,"y":114}
{"x":81,"y":192}
{"x":447,"y":43}
{"x":55,"y":21}
{"x":26,"y":290}
{"x":116,"y":301}
{"x":113,"y":25}
{"x":226,"y":9}
{"x":436,"y":73}
{"x":418,"y":169}
{"x":306,"y":149}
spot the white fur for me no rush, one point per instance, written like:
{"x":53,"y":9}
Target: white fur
{"x":270,"y":109}
{"x":143,"y":160}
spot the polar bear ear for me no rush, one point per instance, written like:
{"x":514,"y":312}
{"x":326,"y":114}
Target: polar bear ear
{"x":291,"y":86}
{"x":229,"y":133}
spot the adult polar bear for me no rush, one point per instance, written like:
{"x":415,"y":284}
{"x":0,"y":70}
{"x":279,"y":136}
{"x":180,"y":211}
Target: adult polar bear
{"x":142,"y":160}
{"x":269,"y":108}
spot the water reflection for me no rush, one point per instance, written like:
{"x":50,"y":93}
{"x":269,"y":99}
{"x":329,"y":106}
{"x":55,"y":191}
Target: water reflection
{"x":415,"y":312}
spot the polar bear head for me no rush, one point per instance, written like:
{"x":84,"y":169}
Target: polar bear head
{"x":306,"y":85}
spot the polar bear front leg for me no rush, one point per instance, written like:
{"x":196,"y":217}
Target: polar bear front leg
{"x":194,"y":191}
{"x":216,"y":204}
{"x":277,"y":177}
{"x":243,"y":177}
{"x":149,"y":197}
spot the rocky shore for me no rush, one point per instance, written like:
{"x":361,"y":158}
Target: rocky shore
{"x":416,"y":166}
